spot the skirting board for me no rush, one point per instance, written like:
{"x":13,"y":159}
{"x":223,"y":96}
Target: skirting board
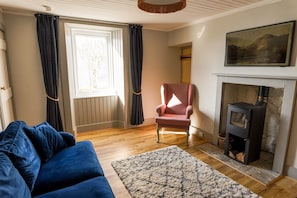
{"x":201,"y":133}
{"x":113,"y":124}
{"x":149,"y":121}
{"x":97,"y":126}
{"x":291,"y":171}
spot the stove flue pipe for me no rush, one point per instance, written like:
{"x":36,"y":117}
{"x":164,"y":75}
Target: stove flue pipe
{"x":262,"y":95}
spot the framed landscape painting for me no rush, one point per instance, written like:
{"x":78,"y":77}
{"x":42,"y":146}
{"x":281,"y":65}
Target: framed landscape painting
{"x":262,"y":46}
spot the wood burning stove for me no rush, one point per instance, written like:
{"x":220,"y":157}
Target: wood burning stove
{"x":244,"y":129}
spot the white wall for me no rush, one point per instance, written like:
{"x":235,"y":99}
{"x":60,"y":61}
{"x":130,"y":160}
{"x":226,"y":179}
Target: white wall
{"x":208,"y":42}
{"x":161,"y":64}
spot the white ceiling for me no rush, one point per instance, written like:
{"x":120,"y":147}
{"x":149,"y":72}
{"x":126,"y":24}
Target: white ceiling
{"x":126,"y":11}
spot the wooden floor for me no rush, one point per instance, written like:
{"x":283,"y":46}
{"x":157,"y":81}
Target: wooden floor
{"x":116,"y":144}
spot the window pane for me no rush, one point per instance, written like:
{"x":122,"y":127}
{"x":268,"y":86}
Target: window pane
{"x":92,"y":63}
{"x":95,"y":60}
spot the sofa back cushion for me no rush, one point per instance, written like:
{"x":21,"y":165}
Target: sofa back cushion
{"x":47,"y":140}
{"x":11,"y":182}
{"x":21,"y":152}
{"x":68,"y":138}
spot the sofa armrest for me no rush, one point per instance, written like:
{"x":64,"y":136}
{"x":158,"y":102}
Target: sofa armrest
{"x":160,"y":109}
{"x":189,"y":111}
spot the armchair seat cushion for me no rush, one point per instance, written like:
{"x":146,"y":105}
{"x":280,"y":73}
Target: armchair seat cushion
{"x":173,"y":120}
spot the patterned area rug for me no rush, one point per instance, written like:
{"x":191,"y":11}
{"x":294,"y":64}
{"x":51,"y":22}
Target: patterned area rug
{"x":171,"y":172}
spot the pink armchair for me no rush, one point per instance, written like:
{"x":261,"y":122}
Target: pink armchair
{"x":176,"y":107}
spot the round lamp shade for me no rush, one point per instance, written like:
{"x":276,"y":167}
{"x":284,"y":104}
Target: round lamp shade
{"x":165,"y":6}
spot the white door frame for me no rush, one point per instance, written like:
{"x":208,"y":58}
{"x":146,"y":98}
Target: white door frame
{"x":6,"y":109}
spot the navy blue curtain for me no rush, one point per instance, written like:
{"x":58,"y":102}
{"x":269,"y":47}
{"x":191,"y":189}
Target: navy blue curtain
{"x":47,"y":32}
{"x":136,"y":57}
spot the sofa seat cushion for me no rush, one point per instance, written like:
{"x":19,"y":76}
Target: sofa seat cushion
{"x":15,"y":143}
{"x":67,"y":167}
{"x":92,"y":188}
{"x":46,"y":140}
{"x":12,"y":183}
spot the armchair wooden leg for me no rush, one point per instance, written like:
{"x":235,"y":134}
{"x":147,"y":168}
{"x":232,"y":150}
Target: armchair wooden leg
{"x":188,"y":134}
{"x":158,"y":140}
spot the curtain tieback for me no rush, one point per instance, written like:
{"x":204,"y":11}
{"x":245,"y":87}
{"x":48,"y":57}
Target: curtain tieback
{"x":136,"y":93}
{"x":53,"y":99}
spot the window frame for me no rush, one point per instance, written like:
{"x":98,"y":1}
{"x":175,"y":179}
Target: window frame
{"x":72,"y":29}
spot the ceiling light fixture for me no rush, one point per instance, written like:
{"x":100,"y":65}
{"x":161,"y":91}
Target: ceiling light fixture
{"x":165,"y":6}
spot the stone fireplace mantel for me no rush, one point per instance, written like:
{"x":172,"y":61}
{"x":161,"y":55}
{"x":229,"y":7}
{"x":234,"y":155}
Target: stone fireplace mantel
{"x":288,"y":83}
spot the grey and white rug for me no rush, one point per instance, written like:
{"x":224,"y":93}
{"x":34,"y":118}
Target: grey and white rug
{"x":171,"y":172}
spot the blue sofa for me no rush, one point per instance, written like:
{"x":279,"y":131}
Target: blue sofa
{"x":43,"y":163}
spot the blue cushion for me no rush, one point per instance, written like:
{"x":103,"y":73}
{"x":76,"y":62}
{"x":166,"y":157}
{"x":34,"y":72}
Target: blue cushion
{"x":11,"y":182}
{"x":1,"y":135}
{"x":68,"y":138}
{"x":21,"y":151}
{"x":46,"y":140}
{"x":95,"y":187}
{"x":70,"y":166}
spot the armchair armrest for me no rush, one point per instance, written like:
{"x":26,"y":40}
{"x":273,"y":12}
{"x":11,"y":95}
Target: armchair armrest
{"x":189,"y":111}
{"x":160,"y":109}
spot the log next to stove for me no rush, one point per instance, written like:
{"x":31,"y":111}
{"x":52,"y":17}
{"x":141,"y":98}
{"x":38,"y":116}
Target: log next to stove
{"x":244,"y":129}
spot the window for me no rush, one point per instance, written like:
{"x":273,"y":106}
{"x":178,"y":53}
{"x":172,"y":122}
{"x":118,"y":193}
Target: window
{"x":93,"y":53}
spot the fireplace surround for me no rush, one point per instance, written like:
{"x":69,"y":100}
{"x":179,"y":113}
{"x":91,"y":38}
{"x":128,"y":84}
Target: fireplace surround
{"x":288,"y":84}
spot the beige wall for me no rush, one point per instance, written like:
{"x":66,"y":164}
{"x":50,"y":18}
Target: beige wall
{"x":1,"y":19}
{"x":208,"y":42}
{"x":25,"y":69}
{"x":161,"y":64}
